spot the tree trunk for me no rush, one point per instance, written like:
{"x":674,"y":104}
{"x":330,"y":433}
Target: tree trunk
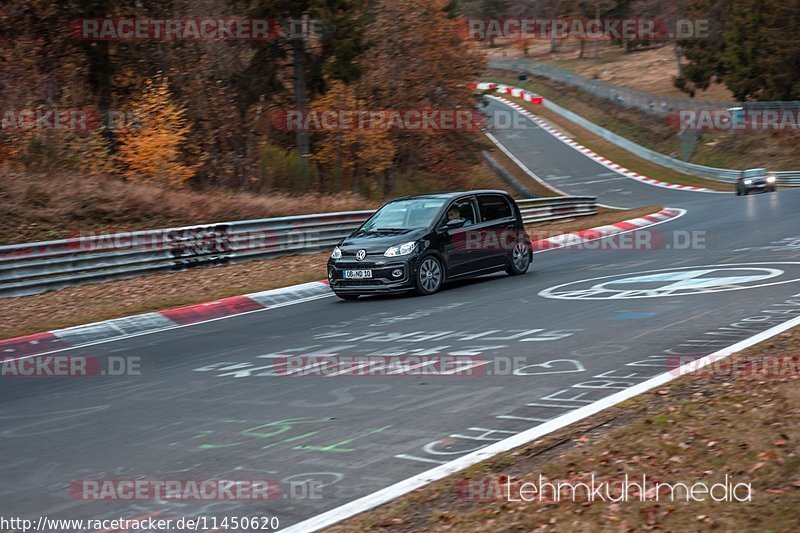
{"x":553,"y":43}
{"x":302,"y":137}
{"x":596,"y":51}
{"x":678,"y":57}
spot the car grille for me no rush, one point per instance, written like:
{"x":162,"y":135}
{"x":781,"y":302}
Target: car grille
{"x":358,"y":265}
{"x":359,"y":282}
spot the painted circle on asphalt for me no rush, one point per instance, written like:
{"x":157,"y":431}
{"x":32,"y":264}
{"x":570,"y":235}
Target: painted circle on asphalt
{"x":681,"y":281}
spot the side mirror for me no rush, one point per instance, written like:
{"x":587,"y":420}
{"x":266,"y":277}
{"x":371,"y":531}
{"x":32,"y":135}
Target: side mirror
{"x":454,"y":224}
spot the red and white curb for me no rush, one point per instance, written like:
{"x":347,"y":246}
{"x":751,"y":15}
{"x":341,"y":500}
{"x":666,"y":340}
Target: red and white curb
{"x":516,"y":92}
{"x":132,"y":326}
{"x":594,"y":156}
{"x":143,"y":324}
{"x":610,"y":230}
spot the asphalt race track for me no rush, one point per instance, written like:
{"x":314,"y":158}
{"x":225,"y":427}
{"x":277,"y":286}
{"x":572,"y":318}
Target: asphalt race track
{"x":565,"y":168}
{"x":209,"y":402}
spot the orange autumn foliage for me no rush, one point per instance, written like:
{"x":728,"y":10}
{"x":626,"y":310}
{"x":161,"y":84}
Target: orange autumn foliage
{"x":150,"y":147}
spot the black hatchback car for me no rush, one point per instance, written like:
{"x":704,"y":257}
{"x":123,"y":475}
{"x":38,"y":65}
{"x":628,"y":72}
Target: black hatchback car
{"x":418,"y":243}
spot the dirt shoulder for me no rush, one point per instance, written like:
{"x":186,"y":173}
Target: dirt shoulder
{"x":103,"y":301}
{"x":650,"y":70}
{"x":739,"y":421}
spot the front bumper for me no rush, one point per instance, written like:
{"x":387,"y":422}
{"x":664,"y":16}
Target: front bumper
{"x":760,"y":186}
{"x":384,"y":278}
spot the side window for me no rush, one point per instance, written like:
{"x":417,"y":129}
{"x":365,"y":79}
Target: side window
{"x":493,"y":207}
{"x":462,"y":209}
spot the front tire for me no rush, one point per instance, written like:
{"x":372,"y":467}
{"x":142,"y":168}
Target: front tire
{"x":520,"y":260}
{"x":430,"y":276}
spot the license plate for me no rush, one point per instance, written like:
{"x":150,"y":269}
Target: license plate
{"x":357,"y":274}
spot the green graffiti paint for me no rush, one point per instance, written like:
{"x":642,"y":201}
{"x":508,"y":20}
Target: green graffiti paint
{"x":335,"y":447}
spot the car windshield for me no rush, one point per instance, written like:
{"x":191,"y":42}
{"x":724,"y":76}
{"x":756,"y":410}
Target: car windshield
{"x":404,"y":215}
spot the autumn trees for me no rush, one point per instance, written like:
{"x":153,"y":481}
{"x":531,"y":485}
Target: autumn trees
{"x":197,"y":112}
{"x":151,"y":143}
{"x":753,"y":48}
{"x":414,"y":60}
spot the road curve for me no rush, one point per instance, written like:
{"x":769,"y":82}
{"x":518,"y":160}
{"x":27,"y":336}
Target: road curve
{"x":205,"y":405}
{"x":572,"y":173}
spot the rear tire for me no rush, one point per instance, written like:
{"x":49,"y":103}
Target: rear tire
{"x":430,"y":276}
{"x":520,"y":260}
{"x":348,"y":297}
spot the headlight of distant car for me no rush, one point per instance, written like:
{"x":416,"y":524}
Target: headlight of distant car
{"x":771,"y":178}
{"x":748,"y":182}
{"x":336,"y":254}
{"x":401,"y":249}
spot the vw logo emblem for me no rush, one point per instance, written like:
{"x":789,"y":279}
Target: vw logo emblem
{"x":361,"y":254}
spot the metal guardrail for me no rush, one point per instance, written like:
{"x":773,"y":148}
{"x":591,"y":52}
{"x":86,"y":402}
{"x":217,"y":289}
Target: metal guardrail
{"x":37,"y":267}
{"x":717,"y":174}
{"x":649,"y":103}
{"x":556,"y":208}
{"x":788,"y":178}
{"x":784,"y":179}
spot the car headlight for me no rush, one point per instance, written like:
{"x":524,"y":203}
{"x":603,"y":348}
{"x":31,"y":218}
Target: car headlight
{"x":336,"y":254}
{"x":748,"y":182}
{"x":771,"y":179}
{"x":401,"y":249}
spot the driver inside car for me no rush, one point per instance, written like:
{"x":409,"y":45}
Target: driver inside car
{"x":455,"y":214}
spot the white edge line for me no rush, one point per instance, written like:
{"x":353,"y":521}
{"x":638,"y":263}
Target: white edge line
{"x":525,"y":169}
{"x":420,"y":480}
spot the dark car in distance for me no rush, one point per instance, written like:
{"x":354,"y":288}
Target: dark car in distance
{"x":419,"y":243}
{"x":755,"y":179}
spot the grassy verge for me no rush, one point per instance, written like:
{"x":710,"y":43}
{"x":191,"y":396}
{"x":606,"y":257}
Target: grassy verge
{"x":91,"y":303}
{"x":699,"y":428}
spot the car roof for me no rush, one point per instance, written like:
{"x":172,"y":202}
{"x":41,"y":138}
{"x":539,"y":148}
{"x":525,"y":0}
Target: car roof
{"x":450,"y":195}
